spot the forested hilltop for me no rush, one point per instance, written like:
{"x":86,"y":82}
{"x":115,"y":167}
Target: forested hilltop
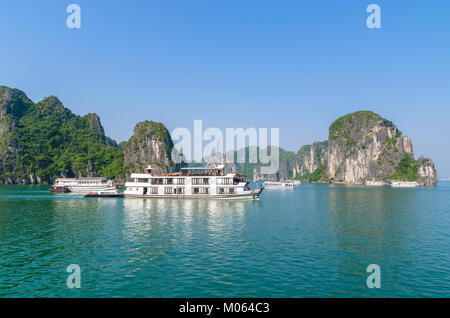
{"x":43,"y":141}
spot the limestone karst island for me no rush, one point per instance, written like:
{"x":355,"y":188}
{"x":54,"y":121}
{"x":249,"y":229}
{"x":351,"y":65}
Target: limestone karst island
{"x":43,"y":141}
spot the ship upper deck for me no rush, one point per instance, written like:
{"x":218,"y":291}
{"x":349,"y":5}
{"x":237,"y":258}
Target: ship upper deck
{"x":183,"y":175}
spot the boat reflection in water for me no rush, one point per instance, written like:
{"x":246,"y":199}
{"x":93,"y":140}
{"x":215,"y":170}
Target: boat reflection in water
{"x":153,"y":219}
{"x":211,"y":207}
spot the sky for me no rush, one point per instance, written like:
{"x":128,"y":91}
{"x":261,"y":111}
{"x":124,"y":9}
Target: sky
{"x":294,"y":65}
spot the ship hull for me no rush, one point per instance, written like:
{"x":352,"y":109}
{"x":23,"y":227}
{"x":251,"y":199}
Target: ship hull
{"x":85,"y":190}
{"x":253,"y":195}
{"x":404,"y":184}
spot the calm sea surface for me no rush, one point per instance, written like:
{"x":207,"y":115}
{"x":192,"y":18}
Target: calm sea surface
{"x":314,"y":241}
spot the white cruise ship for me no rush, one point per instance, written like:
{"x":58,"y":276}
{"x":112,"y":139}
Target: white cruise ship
{"x":83,"y":185}
{"x":404,"y":184}
{"x":281,"y":184}
{"x":195,"y":182}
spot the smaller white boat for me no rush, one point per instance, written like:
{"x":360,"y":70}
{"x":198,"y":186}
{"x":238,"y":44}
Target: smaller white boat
{"x":83,"y":185}
{"x":281,"y":184}
{"x":374,"y":183}
{"x":108,"y":193}
{"x":404,"y":184}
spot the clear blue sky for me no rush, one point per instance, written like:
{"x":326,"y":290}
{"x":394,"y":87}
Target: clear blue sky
{"x":296,"y":65}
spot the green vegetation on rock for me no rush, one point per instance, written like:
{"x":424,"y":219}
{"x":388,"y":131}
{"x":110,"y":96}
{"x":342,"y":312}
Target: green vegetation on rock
{"x":51,"y":144}
{"x":318,"y":174}
{"x":342,"y":127}
{"x":406,"y":169}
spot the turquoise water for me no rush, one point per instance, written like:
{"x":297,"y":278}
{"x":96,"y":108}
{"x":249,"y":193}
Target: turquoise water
{"x":314,"y":241}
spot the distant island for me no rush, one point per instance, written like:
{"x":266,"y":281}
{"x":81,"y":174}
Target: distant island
{"x":361,"y":146}
{"x":42,"y":141}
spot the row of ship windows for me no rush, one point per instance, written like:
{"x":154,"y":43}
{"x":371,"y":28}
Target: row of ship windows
{"x":170,"y":190}
{"x":195,"y":181}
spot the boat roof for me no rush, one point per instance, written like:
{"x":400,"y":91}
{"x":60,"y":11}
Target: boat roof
{"x":204,"y":168}
{"x":83,"y":179}
{"x":140,"y":175}
{"x":147,"y":175}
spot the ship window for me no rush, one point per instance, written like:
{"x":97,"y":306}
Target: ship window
{"x":156,"y":181}
{"x":196,"y":190}
{"x":168,"y":190}
{"x":231,"y":191}
{"x":201,"y":191}
{"x":225,"y":181}
{"x":179,"y":190}
{"x":237,"y":180}
{"x":220,"y":190}
{"x":200,"y":181}
{"x":154,"y":190}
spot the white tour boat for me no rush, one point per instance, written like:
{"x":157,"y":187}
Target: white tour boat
{"x":404,"y":184}
{"x":108,"y":193}
{"x":84,"y":185}
{"x":281,"y":184}
{"x":194,"y":182}
{"x":374,"y":183}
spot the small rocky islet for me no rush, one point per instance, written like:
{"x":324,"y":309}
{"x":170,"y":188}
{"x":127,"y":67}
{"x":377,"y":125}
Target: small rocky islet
{"x":43,"y":141}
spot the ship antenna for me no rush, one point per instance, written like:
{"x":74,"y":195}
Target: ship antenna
{"x":181,"y":155}
{"x":245,"y":162}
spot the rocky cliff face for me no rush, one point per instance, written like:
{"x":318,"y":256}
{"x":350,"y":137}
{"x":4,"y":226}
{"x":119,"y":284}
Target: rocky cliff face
{"x":94,"y":124}
{"x":311,"y":157}
{"x":150,"y":144}
{"x":13,"y":105}
{"x":364,"y":146}
{"x":426,"y":172}
{"x":295,"y":165}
